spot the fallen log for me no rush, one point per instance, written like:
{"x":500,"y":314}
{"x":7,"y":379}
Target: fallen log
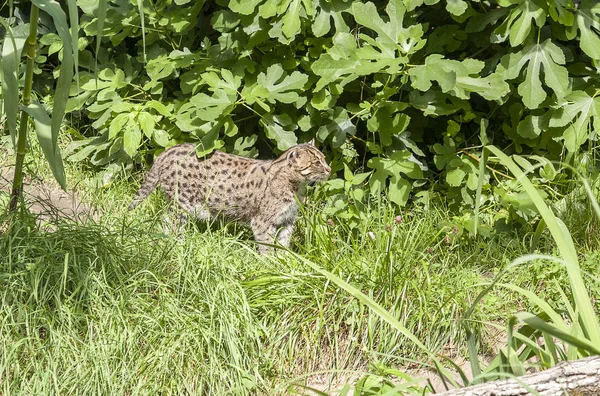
{"x":577,"y":377}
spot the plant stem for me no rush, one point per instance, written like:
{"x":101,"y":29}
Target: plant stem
{"x":29,"y":51}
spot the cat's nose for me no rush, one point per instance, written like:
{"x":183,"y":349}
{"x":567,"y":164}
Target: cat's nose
{"x":327,"y":169}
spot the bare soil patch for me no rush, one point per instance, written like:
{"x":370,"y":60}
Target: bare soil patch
{"x":46,"y":198}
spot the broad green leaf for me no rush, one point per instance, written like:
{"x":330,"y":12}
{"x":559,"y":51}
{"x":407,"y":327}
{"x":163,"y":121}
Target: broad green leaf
{"x":393,"y":36}
{"x":576,"y":112}
{"x":394,"y":167}
{"x":456,"y":7}
{"x":132,"y":138}
{"x":345,"y":62}
{"x":532,"y":126}
{"x":291,"y":20}
{"x":12,"y":46}
{"x":117,"y":125}
{"x":61,"y":94}
{"x":478,"y":22}
{"x":386,"y":121}
{"x":587,"y":18}
{"x":161,"y":137}
{"x":455,"y":177}
{"x":444,"y":153}
{"x":546,"y":57}
{"x":562,"y":11}
{"x":321,"y":24}
{"x":519,"y":21}
{"x":433,"y":102}
{"x":147,"y":123}
{"x":339,"y":128}
{"x":43,"y":130}
{"x":458,"y":78}
{"x":228,"y":82}
{"x":244,"y":7}
{"x":210,"y":108}
{"x":274,"y":128}
{"x":160,"y":67}
{"x":274,"y":87}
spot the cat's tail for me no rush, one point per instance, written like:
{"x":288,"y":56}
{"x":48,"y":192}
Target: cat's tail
{"x":152,"y":179}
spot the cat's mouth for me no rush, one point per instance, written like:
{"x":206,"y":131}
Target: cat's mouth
{"x":312,"y":183}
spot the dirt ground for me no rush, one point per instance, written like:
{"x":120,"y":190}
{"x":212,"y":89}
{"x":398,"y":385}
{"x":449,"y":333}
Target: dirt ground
{"x":44,"y":198}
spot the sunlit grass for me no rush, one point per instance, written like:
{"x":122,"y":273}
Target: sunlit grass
{"x":118,"y":304}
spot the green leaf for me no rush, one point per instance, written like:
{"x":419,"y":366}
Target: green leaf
{"x":274,"y":128}
{"x":393,"y":36}
{"x":576,"y":112}
{"x":531,"y":126}
{"x":455,"y":177}
{"x":444,"y":153}
{"x":386,"y":121}
{"x":546,"y":57}
{"x":273,"y":86}
{"x":244,"y":7}
{"x":291,"y":20}
{"x":346,"y":62}
{"x":398,"y":164}
{"x":587,"y":18}
{"x":210,"y":108}
{"x":227,"y":82}
{"x":147,"y":123}
{"x":456,"y":7}
{"x":562,"y":11}
{"x":117,"y":125}
{"x":132,"y":138}
{"x":339,"y":128}
{"x":519,"y":21}
{"x":458,"y":78}
{"x":161,"y":137}
{"x":43,"y":130}
{"x":12,"y":46}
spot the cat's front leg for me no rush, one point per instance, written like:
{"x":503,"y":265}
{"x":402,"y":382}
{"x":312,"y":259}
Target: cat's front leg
{"x":264,"y":234}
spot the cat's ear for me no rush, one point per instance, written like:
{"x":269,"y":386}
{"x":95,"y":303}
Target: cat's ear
{"x":291,"y":154}
{"x":312,"y":142}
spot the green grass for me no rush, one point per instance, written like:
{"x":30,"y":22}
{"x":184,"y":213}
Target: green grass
{"x":116,"y":305}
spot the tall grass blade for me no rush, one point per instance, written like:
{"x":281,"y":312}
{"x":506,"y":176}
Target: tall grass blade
{"x":473,"y":356}
{"x":484,"y":124}
{"x":101,"y":18}
{"x":562,"y":237}
{"x":12,"y":46}
{"x":74,"y":22}
{"x":376,"y":308}
{"x":140,"y":4}
{"x":545,"y":327}
{"x":537,"y":235}
{"x":43,"y":130}
{"x":63,"y":85}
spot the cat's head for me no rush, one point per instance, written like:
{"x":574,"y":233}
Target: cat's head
{"x":307,"y":163}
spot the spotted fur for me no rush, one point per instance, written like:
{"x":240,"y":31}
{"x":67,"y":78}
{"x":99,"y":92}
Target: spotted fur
{"x":263,"y":193}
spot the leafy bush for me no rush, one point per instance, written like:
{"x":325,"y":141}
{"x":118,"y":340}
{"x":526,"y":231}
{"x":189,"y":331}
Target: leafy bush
{"x":395,"y":90}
